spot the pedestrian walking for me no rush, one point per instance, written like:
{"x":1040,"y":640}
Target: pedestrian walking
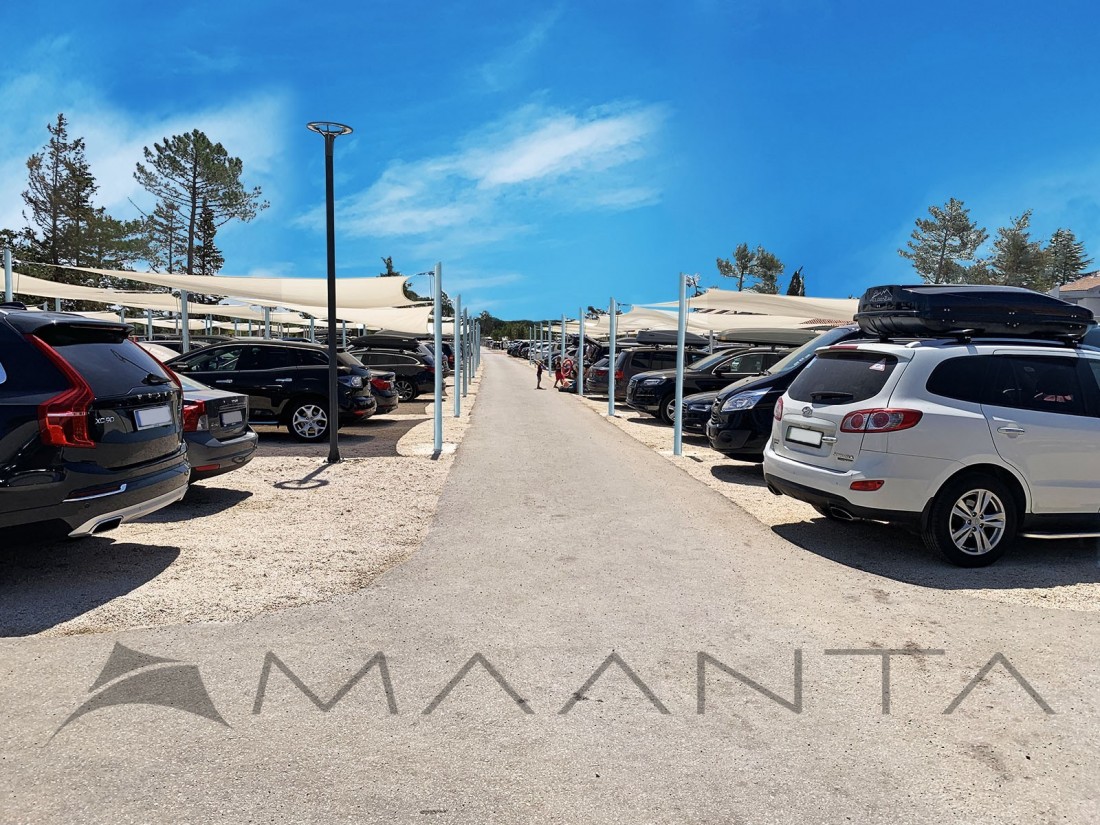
{"x":538,"y":376}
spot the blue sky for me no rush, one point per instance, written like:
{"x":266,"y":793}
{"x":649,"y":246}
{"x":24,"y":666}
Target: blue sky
{"x":553,"y":155}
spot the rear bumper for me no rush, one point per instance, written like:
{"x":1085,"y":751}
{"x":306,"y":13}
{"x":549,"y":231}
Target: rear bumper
{"x":120,"y":515}
{"x":909,"y":483}
{"x":210,"y":457}
{"x":81,"y":494}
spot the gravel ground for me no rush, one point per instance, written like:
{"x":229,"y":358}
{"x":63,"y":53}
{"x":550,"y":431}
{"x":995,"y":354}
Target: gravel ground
{"x":286,"y":530}
{"x":1054,"y":574}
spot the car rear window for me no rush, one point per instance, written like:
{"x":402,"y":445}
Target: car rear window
{"x":114,"y":369}
{"x":843,"y":377}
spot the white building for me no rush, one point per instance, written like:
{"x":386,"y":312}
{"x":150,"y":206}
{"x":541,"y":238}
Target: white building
{"x":1084,"y":291}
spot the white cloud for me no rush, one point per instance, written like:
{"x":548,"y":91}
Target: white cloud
{"x":249,"y":128}
{"x":554,"y":160}
{"x":507,"y":68}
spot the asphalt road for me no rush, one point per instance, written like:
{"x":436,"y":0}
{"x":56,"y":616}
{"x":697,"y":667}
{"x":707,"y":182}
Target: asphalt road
{"x":562,"y":545}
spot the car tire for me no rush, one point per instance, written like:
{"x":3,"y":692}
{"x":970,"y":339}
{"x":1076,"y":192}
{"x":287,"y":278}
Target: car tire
{"x":406,"y":390}
{"x":666,"y":411}
{"x":972,"y":520}
{"x":308,"y":420}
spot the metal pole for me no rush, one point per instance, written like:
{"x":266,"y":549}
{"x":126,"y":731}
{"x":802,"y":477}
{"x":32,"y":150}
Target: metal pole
{"x":458,"y":355}
{"x":580,"y":355}
{"x":57,"y":305}
{"x":465,"y":351}
{"x":530,"y":342}
{"x":611,"y":363}
{"x":312,"y":331}
{"x":344,"y":332}
{"x":681,"y":330}
{"x":122,"y":314}
{"x":437,"y":324}
{"x":710,"y":334}
{"x":236,"y":327}
{"x":249,"y":327}
{"x":7,"y":276}
{"x":185,"y":322}
{"x":149,"y":324}
{"x":563,"y":342}
{"x":267,"y":322}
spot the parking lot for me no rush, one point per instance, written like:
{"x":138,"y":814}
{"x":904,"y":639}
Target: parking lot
{"x":285,"y":530}
{"x":1054,"y":574}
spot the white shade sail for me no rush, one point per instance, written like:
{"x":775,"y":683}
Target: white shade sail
{"x":834,"y":309}
{"x":351,"y":293}
{"x":24,"y":284}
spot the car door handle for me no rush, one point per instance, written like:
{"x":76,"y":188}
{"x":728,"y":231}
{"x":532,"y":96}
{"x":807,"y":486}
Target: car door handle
{"x":283,"y":380}
{"x":224,"y":381}
{"x":1011,"y":430}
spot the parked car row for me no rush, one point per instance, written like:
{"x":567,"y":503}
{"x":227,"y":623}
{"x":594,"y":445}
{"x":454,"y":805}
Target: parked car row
{"x":969,"y":414}
{"x":97,"y":429}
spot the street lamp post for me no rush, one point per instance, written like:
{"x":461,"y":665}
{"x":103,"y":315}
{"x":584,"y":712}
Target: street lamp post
{"x":330,"y":131}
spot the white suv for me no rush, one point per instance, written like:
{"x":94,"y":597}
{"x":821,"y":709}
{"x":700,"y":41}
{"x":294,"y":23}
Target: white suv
{"x":970,"y":442}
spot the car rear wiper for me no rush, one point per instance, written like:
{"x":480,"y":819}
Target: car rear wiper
{"x":152,"y":378}
{"x":831,"y":396}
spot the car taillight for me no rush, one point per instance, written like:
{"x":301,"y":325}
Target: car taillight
{"x":194,"y":416}
{"x":880,"y":421}
{"x":380,"y":384}
{"x":777,"y":413}
{"x":619,"y":375}
{"x":63,"y":419}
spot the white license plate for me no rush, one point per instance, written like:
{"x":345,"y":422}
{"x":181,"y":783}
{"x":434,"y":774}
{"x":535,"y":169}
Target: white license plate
{"x":153,"y":417}
{"x":804,"y":436}
{"x":232,"y":417}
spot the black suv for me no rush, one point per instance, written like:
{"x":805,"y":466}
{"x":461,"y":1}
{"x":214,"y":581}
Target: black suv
{"x":286,"y":383}
{"x":741,"y":418}
{"x":91,"y":425}
{"x":415,"y":371}
{"x":655,"y":392}
{"x":630,"y":362}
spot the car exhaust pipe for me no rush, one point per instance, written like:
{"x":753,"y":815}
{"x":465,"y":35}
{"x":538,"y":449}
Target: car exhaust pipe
{"x":108,"y":524}
{"x":841,"y":514}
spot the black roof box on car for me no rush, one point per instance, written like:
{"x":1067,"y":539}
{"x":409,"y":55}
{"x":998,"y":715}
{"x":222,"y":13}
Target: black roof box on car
{"x":932,"y":310}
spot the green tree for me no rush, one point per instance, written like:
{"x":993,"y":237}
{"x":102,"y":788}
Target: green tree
{"x":165,"y":239}
{"x":208,"y":258}
{"x":188,"y":170}
{"x":1065,"y":258}
{"x":389,"y":272}
{"x":741,"y":266}
{"x":1017,"y":260}
{"x":768,"y":269}
{"x":59,"y":194}
{"x":939,"y":244}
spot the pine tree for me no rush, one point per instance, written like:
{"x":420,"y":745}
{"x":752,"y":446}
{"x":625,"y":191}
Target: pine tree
{"x":187,"y":170}
{"x":1017,"y":260}
{"x":59,"y":194}
{"x":165,"y":240}
{"x":208,"y":258}
{"x":938,"y":245}
{"x":1065,"y":258}
{"x":768,"y":269}
{"x":741,"y":266}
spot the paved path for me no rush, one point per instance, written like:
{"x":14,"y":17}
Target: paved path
{"x":560,"y":542}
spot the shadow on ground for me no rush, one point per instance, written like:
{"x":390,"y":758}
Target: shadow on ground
{"x":204,"y":498}
{"x":750,"y":475}
{"x":376,"y":437}
{"x":46,"y":579}
{"x":895,"y":553}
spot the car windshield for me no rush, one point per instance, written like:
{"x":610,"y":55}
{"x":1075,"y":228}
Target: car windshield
{"x":800,"y":356}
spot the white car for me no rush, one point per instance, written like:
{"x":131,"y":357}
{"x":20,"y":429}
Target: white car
{"x":970,"y":442}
